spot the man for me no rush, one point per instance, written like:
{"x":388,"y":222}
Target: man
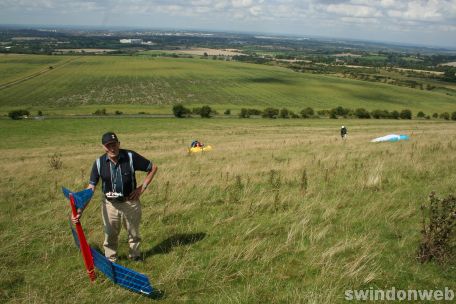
{"x":121,"y":205}
{"x":196,"y":144}
{"x":343,"y":132}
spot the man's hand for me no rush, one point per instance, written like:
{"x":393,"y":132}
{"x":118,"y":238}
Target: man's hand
{"x":75,"y":219}
{"x":134,"y":196}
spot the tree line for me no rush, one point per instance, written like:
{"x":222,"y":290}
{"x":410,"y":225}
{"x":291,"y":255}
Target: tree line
{"x":180,"y":111}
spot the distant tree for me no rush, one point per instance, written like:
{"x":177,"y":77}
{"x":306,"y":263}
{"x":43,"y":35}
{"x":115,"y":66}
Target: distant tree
{"x":395,"y":114}
{"x":405,"y":114}
{"x":100,"y":112}
{"x":40,"y":113}
{"x":435,"y":115}
{"x":180,"y":111}
{"x":420,"y":114}
{"x":227,"y":112}
{"x":386,"y":114}
{"x":340,"y":111}
{"x":351,"y":113}
{"x":117,"y":112}
{"x":453,"y":116}
{"x":244,"y":113}
{"x":196,"y":111}
{"x":375,"y":114}
{"x":307,"y":112}
{"x":206,"y":112}
{"x":323,"y":112}
{"x":380,"y":114}
{"x":284,"y":113}
{"x":362,"y":113}
{"x":294,"y":115}
{"x":270,"y":113}
{"x":254,"y":112}
{"x":18,"y":114}
{"x":445,"y":115}
{"x":449,"y":74}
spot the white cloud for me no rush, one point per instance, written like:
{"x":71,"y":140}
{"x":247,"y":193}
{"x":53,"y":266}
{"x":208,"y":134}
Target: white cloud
{"x":353,"y":10}
{"x":256,"y":10}
{"x":414,"y":14}
{"x":239,"y":15}
{"x":420,"y":10}
{"x":282,"y":11}
{"x":201,"y":2}
{"x":360,"y":21}
{"x":241,"y":3}
{"x":219,"y":5}
{"x":202,"y":10}
{"x":250,"y":15}
{"x":388,"y":3}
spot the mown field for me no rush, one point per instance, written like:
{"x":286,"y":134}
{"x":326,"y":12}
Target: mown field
{"x":281,"y":211}
{"x":132,"y":84}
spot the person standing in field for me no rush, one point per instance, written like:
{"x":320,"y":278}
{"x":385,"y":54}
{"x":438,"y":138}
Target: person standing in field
{"x":120,"y":204}
{"x":343,"y":132}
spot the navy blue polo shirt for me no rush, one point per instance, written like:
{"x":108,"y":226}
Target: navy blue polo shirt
{"x":119,"y":177}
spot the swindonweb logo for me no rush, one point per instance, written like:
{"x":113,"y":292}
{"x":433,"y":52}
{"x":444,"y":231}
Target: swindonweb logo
{"x":392,"y":294}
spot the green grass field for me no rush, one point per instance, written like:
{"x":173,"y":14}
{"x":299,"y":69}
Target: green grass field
{"x":14,"y":66}
{"x":281,"y":211}
{"x":131,"y":84}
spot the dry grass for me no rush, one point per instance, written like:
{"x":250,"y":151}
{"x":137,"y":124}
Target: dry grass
{"x":264,"y":239}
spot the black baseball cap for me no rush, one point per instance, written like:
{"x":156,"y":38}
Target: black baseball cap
{"x":109,"y":137}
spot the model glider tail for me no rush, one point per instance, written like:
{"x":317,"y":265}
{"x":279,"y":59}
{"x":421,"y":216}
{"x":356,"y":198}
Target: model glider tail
{"x":81,"y":198}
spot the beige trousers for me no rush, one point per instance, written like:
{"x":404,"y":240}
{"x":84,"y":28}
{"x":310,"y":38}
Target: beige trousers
{"x":115,"y":215}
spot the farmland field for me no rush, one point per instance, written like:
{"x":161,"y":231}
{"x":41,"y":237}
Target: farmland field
{"x":152,"y":85}
{"x":200,"y":52}
{"x":15,"y":67}
{"x":280,"y":211}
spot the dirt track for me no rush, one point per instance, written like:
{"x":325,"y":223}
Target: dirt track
{"x":36,"y":74}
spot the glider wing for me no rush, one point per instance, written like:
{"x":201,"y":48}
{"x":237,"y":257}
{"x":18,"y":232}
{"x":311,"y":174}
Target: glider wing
{"x":118,"y":274}
{"x":390,"y":138}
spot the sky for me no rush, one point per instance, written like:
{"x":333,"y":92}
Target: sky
{"x":420,"y":22}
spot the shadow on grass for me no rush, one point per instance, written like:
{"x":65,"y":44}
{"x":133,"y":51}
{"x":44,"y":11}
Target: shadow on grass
{"x":157,"y":295}
{"x":176,"y":240}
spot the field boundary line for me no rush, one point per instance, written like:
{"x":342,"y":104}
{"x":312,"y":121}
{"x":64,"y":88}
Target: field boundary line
{"x":25,"y":78}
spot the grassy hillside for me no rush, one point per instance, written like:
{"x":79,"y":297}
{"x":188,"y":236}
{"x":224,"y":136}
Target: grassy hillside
{"x":279,"y":211}
{"x":79,"y":84}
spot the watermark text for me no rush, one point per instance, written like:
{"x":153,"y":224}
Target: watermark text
{"x":394,"y":294}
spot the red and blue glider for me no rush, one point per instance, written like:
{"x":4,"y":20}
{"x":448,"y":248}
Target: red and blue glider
{"x":120,"y":275}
